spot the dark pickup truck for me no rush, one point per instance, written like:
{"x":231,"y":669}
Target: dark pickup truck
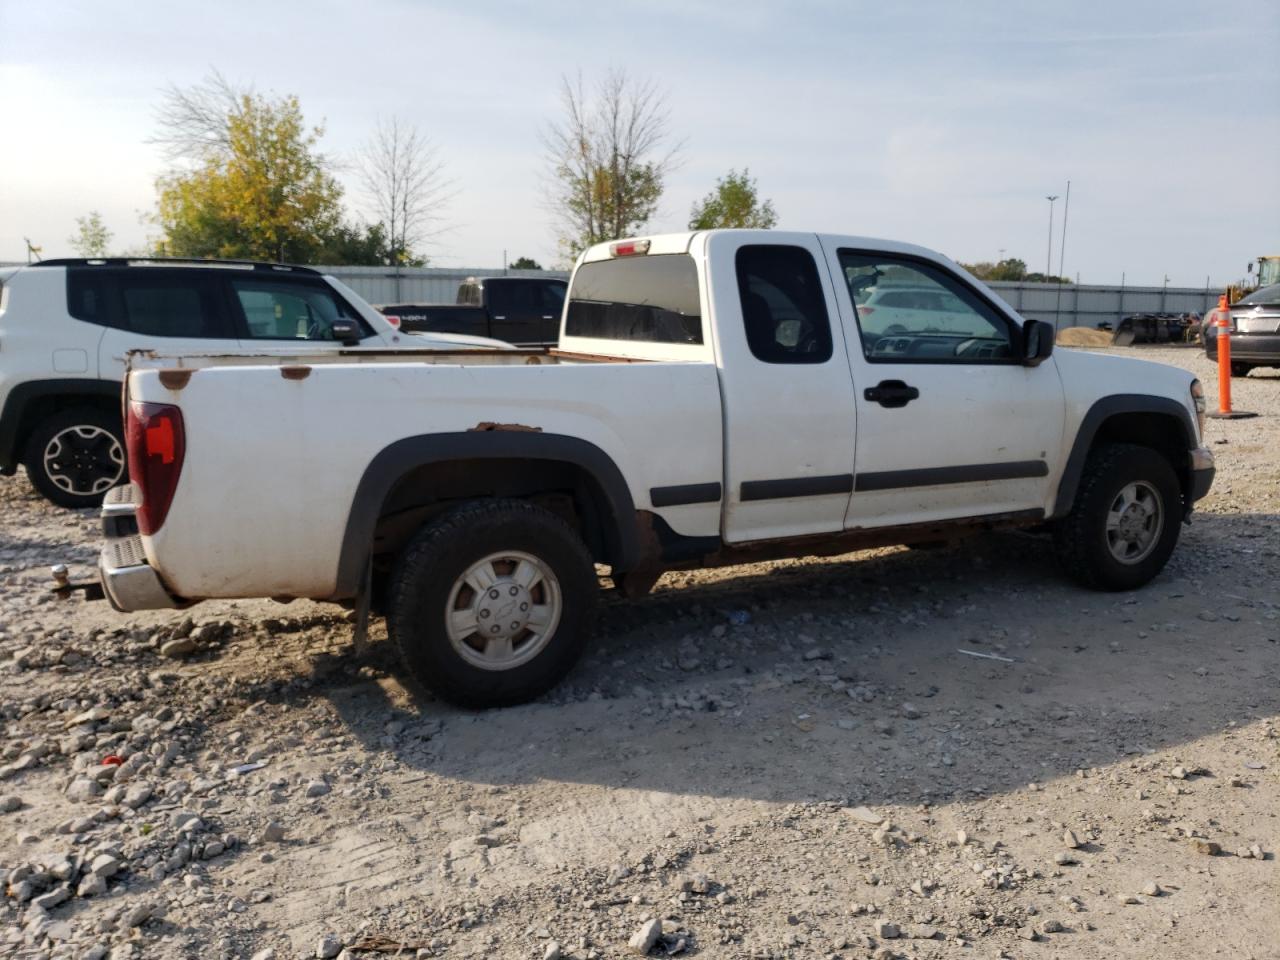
{"x":524,"y":311}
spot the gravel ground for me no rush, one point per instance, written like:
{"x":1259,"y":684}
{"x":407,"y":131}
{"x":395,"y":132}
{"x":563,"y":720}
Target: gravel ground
{"x":787,"y":759}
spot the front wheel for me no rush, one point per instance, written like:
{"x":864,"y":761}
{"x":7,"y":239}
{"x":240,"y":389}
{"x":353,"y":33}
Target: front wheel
{"x":74,"y":457}
{"x":490,"y":604}
{"x":1124,"y":523}
{"x":1239,"y":369}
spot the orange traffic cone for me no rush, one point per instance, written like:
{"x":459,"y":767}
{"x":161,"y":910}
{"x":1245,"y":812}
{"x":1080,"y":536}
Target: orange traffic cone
{"x":1223,"y":323}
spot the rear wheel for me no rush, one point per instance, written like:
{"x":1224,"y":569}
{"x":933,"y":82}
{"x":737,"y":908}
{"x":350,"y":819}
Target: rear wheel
{"x":1124,"y":523}
{"x":491,"y":604}
{"x":74,"y":457}
{"x":1239,"y":369}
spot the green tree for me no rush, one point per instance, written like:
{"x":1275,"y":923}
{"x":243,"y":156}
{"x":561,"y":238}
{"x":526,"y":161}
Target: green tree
{"x":92,"y":237}
{"x":355,"y":245}
{"x":607,"y":160}
{"x":258,"y":189}
{"x":1009,"y":269}
{"x":734,"y":202}
{"x":525,"y":263}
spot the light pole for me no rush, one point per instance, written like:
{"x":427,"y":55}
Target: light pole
{"x":1048,"y":260}
{"x":1062,"y":254}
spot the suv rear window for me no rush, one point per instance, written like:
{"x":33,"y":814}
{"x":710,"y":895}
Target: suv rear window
{"x":646,"y":298}
{"x":150,"y":301}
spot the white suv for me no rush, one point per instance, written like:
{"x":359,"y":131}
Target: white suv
{"x":67,"y":325}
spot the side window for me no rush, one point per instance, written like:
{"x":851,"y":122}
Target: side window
{"x":87,"y":296}
{"x":553,"y":298}
{"x":166,"y":305}
{"x":288,"y":311}
{"x":783,"y":306}
{"x":913,"y":311}
{"x":499,"y":297}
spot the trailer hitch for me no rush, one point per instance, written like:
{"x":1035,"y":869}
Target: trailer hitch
{"x":63,"y":588}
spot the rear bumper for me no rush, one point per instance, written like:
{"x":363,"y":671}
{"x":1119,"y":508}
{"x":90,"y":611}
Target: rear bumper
{"x":1260,"y":348}
{"x":128,"y":580}
{"x":1202,"y":473}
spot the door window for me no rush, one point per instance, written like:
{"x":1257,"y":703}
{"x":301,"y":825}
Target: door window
{"x":915,"y":312}
{"x":784,"y":308}
{"x":553,"y":298}
{"x":289,"y":311}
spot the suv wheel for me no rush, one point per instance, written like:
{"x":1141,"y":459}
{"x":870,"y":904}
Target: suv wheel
{"x":1125,"y":520}
{"x":74,"y":457}
{"x":490,"y":604}
{"x":1239,"y":369}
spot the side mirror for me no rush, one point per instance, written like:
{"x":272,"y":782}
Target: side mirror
{"x":1037,"y":342}
{"x":345,"y":331}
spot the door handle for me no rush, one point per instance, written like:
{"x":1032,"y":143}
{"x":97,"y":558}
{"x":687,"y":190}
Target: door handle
{"x":891,"y":393}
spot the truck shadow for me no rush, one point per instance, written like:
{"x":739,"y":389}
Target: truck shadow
{"x":896,"y":676}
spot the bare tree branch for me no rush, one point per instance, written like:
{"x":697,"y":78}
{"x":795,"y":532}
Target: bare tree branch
{"x":195,"y":121}
{"x":606,"y":165}
{"x":403,"y":176}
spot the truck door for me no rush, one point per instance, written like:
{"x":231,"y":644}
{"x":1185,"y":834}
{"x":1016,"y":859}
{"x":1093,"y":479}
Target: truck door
{"x":784,"y":379}
{"x":517,"y":313}
{"x":950,"y":423}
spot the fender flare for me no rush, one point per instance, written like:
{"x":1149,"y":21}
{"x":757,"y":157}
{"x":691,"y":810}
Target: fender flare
{"x":23,"y":395}
{"x":1098,"y":414}
{"x":395,"y":461}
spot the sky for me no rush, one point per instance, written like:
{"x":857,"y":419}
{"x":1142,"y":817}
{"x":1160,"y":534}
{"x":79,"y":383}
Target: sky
{"x":940,"y":123}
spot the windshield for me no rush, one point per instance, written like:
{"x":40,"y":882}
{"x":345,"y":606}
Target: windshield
{"x":1269,"y":294}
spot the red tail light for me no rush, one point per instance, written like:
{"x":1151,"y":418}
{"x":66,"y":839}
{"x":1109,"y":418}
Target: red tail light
{"x":629,"y":248}
{"x":393,"y":320}
{"x":157,"y":445}
{"x":866,"y":311}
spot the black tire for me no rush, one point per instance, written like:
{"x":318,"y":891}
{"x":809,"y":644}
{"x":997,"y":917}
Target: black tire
{"x":422,"y":592}
{"x":75,"y":456}
{"x":1239,"y":369}
{"x":1081,"y":538}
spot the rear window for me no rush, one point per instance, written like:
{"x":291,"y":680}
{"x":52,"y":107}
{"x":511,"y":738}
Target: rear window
{"x":152,"y":302}
{"x":653,"y":299}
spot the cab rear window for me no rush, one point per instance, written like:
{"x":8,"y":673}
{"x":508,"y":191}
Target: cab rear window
{"x":652,"y":299}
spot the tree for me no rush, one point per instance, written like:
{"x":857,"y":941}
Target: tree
{"x":607,"y":159}
{"x":255,"y":185}
{"x":403,"y":176}
{"x":1009,"y":269}
{"x":92,"y":237}
{"x":525,"y":263}
{"x":733,"y":203}
{"x":195,"y":121}
{"x":356,"y":245}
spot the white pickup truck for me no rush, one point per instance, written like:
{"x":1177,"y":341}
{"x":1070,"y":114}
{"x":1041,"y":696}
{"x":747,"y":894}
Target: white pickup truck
{"x":717,"y":397}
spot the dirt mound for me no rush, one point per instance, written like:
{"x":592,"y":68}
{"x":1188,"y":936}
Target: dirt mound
{"x":1084,"y":337}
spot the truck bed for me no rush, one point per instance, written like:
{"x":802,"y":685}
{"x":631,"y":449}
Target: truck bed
{"x":279,"y":446}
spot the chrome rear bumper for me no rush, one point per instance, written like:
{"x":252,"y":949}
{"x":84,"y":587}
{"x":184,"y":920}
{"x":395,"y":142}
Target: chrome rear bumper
{"x":128,"y":580}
